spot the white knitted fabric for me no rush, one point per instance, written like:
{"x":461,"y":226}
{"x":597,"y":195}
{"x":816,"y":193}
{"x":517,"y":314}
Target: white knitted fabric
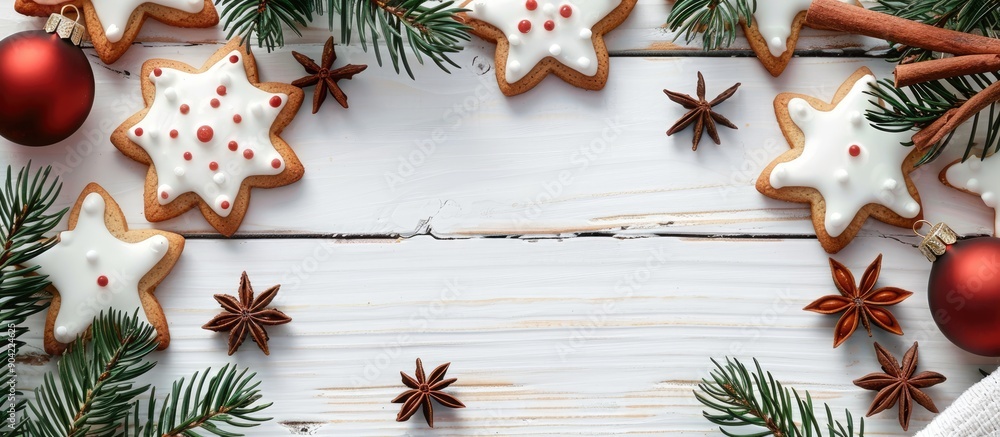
{"x":974,"y":414}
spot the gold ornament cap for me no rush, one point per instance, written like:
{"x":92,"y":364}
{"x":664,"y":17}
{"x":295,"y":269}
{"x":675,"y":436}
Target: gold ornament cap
{"x":936,"y":241}
{"x":67,"y":29}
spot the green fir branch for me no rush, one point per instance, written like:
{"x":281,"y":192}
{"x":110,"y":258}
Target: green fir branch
{"x":421,"y":28}
{"x":738,"y":398}
{"x":969,"y":16}
{"x":95,"y":388}
{"x":228,"y":398}
{"x":920,"y":105}
{"x":715,"y":20}
{"x":24,"y":219}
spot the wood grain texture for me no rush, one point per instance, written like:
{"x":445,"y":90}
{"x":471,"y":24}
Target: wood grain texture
{"x":584,"y":336}
{"x":561,"y":332}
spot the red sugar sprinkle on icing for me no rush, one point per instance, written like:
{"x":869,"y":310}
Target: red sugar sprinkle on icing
{"x":248,"y":154}
{"x":164,"y":195}
{"x":205,"y":134}
{"x":565,"y":11}
{"x":275,"y":101}
{"x":221,"y":90}
{"x":531,"y":5}
{"x":213,"y":166}
{"x":237,"y":118}
{"x":234,"y":59}
{"x":215,"y":103}
{"x":138,"y":131}
{"x":233,"y":146}
{"x":187,"y":156}
{"x":524,"y":26}
{"x":173,"y":133}
{"x":102,"y":281}
{"x":157,"y":72}
{"x":224,"y":204}
{"x":854,"y":150}
{"x":549,"y":25}
{"x":185,"y":108}
{"x":275,"y":163}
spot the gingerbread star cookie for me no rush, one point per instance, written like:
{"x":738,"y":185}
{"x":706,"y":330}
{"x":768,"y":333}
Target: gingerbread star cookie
{"x":841,"y":165}
{"x":774,"y":32}
{"x":209,"y":136}
{"x":977,"y":177}
{"x":99,"y":264}
{"x":538,"y":37}
{"x":114,"y":24}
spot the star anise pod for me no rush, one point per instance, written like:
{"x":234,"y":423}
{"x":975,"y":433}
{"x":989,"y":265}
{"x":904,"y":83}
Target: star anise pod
{"x":898,"y":384}
{"x":247,"y":315}
{"x":422,"y":390}
{"x":701,"y":113}
{"x":325,"y":77}
{"x":862,"y":303}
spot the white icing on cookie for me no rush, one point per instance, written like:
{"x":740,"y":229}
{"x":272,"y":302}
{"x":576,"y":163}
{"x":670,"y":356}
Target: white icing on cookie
{"x":207,"y":132}
{"x":848,"y":161}
{"x":537,"y":29}
{"x":114,"y":14}
{"x":774,"y":20}
{"x":980,"y":177}
{"x":94,"y":271}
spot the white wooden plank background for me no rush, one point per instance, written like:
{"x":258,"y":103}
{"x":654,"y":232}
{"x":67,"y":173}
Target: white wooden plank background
{"x":381,"y":253}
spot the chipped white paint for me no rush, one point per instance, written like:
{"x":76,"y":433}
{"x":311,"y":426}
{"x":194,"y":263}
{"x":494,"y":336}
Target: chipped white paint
{"x":554,"y":337}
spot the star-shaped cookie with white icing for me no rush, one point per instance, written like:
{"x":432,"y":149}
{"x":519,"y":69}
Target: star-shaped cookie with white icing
{"x":99,"y":264}
{"x":538,"y":37}
{"x":114,"y":24}
{"x":841,"y":165}
{"x":774,"y":32}
{"x":209,"y":136}
{"x":977,"y":177}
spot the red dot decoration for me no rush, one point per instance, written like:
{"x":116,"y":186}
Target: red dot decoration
{"x":237,"y":118}
{"x":276,"y":163}
{"x":531,"y":5}
{"x":234,"y":59}
{"x":213,"y":166}
{"x":224,"y":204}
{"x":854,"y":150}
{"x":248,"y":154}
{"x":185,"y":109}
{"x":524,"y":26}
{"x":187,"y":156}
{"x":173,"y":133}
{"x":164,"y":195}
{"x":233,"y":146}
{"x":102,"y":281}
{"x":205,"y":134}
{"x":275,"y":101}
{"x":157,"y":72}
{"x":549,"y":25}
{"x":221,"y":90}
{"x":565,"y":11}
{"x":215,"y":103}
{"x":138,"y":131}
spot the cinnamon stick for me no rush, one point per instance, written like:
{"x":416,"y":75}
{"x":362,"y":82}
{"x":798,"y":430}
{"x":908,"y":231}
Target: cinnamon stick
{"x":940,"y":128}
{"x":834,"y":15}
{"x":911,"y":74}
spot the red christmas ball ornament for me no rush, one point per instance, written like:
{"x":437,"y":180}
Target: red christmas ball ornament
{"x":964,"y":289}
{"x":46,"y":83}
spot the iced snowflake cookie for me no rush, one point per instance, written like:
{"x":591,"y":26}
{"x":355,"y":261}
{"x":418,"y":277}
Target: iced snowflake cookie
{"x":538,"y":37}
{"x":100,"y":264}
{"x":209,"y":136}
{"x":979,"y":178}
{"x":114,"y":24}
{"x":774,"y":32}
{"x":841,"y":165}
